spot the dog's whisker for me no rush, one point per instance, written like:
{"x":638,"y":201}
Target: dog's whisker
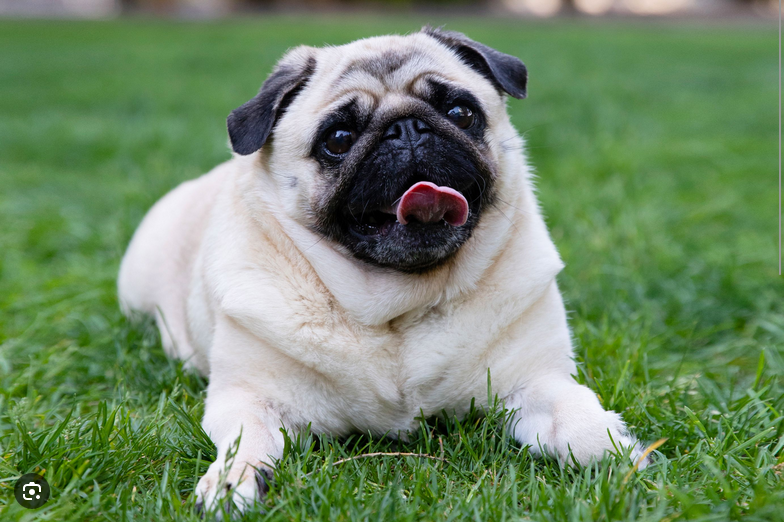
{"x":314,"y":244}
{"x":508,"y":219}
{"x":513,"y":206}
{"x":363,"y":210}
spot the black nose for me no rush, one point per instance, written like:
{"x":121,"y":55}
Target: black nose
{"x":408,"y":130}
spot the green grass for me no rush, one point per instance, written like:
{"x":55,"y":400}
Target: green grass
{"x":656,"y":153}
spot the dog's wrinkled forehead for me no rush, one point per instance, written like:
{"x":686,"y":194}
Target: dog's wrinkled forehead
{"x":382,"y":66}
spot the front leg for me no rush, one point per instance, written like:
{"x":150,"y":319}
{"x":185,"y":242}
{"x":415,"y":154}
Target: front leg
{"x":556,"y":415}
{"x":241,"y":471}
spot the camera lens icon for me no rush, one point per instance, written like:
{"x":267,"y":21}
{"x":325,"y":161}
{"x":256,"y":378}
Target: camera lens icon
{"x":31,"y":491}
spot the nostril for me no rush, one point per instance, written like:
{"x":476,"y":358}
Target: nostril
{"x":422,"y":127}
{"x":394,"y":131}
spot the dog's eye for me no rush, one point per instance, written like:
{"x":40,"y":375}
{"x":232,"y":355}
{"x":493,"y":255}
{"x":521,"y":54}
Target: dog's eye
{"x":339,"y":141}
{"x":461,"y":115}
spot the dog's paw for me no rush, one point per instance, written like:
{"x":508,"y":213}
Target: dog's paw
{"x":638,"y":455}
{"x":593,"y":437}
{"x":566,"y":421}
{"x":233,"y":492}
{"x":626,"y":444}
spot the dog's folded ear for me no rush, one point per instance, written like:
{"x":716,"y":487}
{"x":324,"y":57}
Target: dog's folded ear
{"x":506,"y":72}
{"x":251,"y":124}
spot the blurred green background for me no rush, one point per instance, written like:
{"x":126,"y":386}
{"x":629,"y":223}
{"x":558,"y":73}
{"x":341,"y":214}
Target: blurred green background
{"x":656,"y":151}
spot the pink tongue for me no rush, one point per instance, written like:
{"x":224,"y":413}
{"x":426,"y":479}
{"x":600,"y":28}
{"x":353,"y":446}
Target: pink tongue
{"x":428,"y":203}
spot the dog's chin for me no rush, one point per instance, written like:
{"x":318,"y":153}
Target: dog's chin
{"x":415,"y":247}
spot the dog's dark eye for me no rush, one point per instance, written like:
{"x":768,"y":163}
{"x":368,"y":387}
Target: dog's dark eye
{"x":339,"y":141}
{"x":462,"y":116}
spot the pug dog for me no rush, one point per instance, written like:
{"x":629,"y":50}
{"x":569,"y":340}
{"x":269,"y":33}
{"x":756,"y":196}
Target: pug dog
{"x":372,"y":250}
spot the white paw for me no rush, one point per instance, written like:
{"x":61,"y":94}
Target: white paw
{"x":627,"y":444}
{"x":590,"y":437}
{"x":636,"y":456}
{"x":566,"y":420}
{"x":221,"y":492}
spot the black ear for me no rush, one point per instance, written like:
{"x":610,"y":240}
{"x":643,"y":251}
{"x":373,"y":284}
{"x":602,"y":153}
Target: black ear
{"x":251,"y":124}
{"x":506,"y":72}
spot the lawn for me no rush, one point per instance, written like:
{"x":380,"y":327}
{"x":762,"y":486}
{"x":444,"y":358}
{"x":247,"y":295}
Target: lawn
{"x":655,"y":147}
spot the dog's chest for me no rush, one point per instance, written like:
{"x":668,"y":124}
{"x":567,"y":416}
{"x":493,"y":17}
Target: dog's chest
{"x":391,"y":373}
